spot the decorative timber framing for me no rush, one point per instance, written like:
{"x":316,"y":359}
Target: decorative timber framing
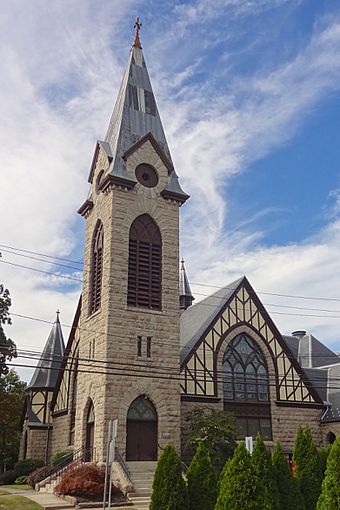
{"x":200,"y":370}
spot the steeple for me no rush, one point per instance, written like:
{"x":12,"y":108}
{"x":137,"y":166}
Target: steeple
{"x":46,"y":372}
{"x":185,"y":296}
{"x":135,"y":120}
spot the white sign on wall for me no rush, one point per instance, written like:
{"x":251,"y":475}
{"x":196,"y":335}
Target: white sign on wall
{"x":249,"y":444}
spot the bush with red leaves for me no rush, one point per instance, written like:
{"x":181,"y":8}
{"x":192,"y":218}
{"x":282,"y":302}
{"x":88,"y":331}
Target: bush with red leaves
{"x":85,"y":481}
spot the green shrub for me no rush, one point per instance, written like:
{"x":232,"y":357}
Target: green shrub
{"x":202,"y":483}
{"x":330,"y":495}
{"x":266,"y":489}
{"x":27,"y":466}
{"x":308,"y":470}
{"x":8,"y":478}
{"x":289,"y":495}
{"x":238,"y":486}
{"x":168,"y":488}
{"x":21,"y":480}
{"x":57,"y":457}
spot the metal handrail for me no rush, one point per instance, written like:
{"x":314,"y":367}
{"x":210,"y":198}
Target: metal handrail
{"x":65,"y":461}
{"x":123,"y":464}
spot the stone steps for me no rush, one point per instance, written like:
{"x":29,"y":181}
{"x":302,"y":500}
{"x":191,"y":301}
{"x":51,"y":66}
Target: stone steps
{"x":142,"y":474}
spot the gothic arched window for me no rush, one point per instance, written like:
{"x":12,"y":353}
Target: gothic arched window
{"x":244,"y":369}
{"x":145,"y":264}
{"x":246,"y":386}
{"x":96,"y":268}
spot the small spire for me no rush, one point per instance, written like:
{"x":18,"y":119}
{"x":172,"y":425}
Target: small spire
{"x":58,"y":313}
{"x":185,"y":296}
{"x":136,"y":41}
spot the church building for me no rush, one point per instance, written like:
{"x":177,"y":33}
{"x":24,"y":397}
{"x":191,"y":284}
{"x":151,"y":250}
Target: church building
{"x":140,"y":351}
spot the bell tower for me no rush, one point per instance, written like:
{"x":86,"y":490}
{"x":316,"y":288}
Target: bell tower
{"x":129,"y":322}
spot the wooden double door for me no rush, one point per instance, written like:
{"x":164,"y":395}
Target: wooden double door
{"x":141,"y":441}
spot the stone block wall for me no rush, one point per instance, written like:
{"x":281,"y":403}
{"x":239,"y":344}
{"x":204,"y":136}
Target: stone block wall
{"x":60,"y":440}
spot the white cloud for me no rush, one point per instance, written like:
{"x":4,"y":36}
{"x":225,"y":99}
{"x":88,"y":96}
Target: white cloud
{"x":61,"y":83}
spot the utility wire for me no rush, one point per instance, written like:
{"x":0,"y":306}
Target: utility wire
{"x":293,"y":296}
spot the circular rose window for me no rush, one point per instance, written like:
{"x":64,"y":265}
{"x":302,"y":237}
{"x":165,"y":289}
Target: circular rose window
{"x":147,"y":175}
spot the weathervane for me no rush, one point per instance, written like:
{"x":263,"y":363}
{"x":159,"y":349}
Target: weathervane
{"x":136,"y":41}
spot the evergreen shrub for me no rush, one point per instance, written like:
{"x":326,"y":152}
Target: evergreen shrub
{"x":169,"y":490}
{"x":266,"y":489}
{"x":57,"y":457}
{"x":202,"y":482}
{"x":289,"y":496}
{"x":238,"y":486}
{"x":308,"y":470}
{"x":27,"y":466}
{"x":330,"y":495}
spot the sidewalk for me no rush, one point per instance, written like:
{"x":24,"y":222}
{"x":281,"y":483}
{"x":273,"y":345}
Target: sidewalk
{"x":44,"y":499}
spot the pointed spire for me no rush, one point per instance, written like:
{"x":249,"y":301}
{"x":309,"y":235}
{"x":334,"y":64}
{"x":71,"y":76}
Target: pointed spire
{"x":135,"y":118}
{"x":46,"y":372}
{"x":136,"y":41}
{"x":185,"y":296}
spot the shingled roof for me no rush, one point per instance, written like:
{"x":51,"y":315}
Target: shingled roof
{"x":46,"y":372}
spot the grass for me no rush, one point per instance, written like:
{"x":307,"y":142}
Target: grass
{"x":19,"y":487}
{"x":18,"y":503}
{"x":3,"y":493}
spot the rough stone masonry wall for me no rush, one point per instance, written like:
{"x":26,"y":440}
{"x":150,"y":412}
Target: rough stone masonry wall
{"x":61,"y":434}
{"x":115,"y":326}
{"x":36,"y":444}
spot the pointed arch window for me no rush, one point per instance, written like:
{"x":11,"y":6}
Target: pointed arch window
{"x":96,"y":268}
{"x":145,"y":264}
{"x":246,"y":387}
{"x":245,"y":375}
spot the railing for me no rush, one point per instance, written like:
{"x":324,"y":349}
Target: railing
{"x":119,"y":458}
{"x":53,"y":472}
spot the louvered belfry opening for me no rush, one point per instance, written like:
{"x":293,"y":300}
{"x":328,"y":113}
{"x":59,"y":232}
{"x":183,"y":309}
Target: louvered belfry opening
{"x":96,"y":268}
{"x":145,"y":264}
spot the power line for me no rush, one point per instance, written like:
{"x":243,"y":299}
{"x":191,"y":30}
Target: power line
{"x":290,"y":296}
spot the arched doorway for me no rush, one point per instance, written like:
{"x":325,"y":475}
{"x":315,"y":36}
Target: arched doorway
{"x":330,"y":437}
{"x":89,"y":445}
{"x":141,"y":430}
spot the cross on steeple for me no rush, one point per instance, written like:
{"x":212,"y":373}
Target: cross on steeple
{"x":136,"y":41}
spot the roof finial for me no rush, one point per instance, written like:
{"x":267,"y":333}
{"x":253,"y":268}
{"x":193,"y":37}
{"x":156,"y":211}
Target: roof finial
{"x":136,"y":41}
{"x":57,"y":312}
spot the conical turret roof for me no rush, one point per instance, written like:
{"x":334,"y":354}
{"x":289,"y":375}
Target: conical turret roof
{"x":184,"y":286}
{"x":46,"y":372}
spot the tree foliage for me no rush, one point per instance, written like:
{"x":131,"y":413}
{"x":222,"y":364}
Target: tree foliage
{"x":7,"y":346}
{"x":217,"y":430}
{"x":238,"y":486}
{"x":12,"y":395}
{"x":266,"y":488}
{"x":289,"y":495}
{"x":330,"y":495}
{"x":169,"y":490}
{"x":308,"y":470}
{"x":202,"y":482}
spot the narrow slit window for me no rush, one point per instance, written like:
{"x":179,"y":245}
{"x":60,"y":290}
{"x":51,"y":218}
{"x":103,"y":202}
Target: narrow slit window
{"x":150,"y":105}
{"x":139,"y":346}
{"x":148,"y":347}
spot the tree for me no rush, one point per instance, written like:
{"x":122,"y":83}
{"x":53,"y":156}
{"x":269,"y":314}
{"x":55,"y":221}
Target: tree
{"x":12,"y":395}
{"x":217,"y":430}
{"x":7,"y":346}
{"x":308,"y":470}
{"x":330,"y":495}
{"x":169,"y":489}
{"x":289,"y":494}
{"x":266,"y":489}
{"x":202,"y":482}
{"x":238,"y":486}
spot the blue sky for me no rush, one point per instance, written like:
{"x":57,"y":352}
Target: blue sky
{"x":249,"y":95}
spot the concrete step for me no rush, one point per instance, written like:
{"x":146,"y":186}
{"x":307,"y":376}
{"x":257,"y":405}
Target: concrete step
{"x":142,"y":466}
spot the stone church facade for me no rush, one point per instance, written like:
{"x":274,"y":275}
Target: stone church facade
{"x":139,"y":350}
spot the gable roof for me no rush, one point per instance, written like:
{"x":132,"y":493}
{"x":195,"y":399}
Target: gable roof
{"x":46,"y":373}
{"x":197,"y":318}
